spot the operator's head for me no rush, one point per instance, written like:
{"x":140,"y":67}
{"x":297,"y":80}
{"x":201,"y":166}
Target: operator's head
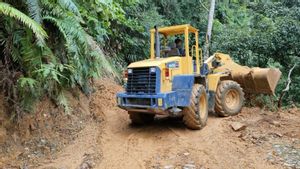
{"x":178,"y":42}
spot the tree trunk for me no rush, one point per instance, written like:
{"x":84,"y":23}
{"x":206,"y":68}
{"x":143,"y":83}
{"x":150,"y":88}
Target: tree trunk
{"x":287,"y":88}
{"x":209,"y":27}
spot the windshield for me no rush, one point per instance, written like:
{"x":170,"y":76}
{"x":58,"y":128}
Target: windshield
{"x":171,"y":46}
{"x":175,"y":45}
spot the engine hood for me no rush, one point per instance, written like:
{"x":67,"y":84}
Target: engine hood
{"x":159,"y":62}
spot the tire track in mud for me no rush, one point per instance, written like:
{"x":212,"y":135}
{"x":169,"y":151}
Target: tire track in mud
{"x":166,"y":141}
{"x":142,"y":144}
{"x":117,"y":143}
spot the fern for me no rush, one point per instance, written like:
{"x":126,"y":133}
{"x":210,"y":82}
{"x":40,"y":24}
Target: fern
{"x":50,"y":72}
{"x":105,"y":65}
{"x":63,"y":101}
{"x":71,"y":6}
{"x":28,"y":91}
{"x":10,"y":11}
{"x":71,"y":31}
{"x":70,"y":57}
{"x":76,"y":45}
{"x":34,"y":10}
{"x":83,"y":51}
{"x":52,"y":9}
{"x":28,"y":83}
{"x":30,"y":54}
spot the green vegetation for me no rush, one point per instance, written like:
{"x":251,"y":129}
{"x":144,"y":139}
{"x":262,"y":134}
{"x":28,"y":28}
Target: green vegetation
{"x":50,"y":46}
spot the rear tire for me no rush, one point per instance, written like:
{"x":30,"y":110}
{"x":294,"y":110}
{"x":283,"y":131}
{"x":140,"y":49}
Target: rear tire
{"x":195,"y":115}
{"x":229,"y":98}
{"x":140,"y":118}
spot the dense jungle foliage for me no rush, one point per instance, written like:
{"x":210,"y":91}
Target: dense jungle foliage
{"x":49,"y":46}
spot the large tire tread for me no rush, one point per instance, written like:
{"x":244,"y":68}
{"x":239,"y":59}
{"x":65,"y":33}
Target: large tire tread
{"x":191,"y":116}
{"x":220,"y":109}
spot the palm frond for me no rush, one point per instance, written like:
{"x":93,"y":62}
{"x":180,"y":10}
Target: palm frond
{"x":36,"y":28}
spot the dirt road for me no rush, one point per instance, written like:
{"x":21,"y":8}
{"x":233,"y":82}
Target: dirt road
{"x":108,"y":141}
{"x":167,"y":143}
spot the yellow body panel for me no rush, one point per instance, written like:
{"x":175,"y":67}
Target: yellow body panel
{"x":253,"y":80}
{"x":160,"y":102}
{"x":228,"y":64}
{"x":166,"y":83}
{"x":213,"y":81}
{"x":153,"y":62}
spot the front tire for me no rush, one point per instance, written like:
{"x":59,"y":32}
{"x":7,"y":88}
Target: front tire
{"x":195,"y":115}
{"x":229,"y":98}
{"x":141,"y":118}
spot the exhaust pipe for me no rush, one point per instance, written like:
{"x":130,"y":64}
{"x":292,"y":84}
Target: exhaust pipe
{"x":157,"y":43}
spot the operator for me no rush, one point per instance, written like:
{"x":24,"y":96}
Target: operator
{"x":178,"y":43}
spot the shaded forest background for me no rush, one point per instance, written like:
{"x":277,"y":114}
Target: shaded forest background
{"x":50,"y":46}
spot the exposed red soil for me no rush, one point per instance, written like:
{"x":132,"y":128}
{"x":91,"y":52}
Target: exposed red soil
{"x":97,"y":134}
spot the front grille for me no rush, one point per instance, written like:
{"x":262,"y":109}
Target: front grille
{"x":141,"y":81}
{"x":139,"y":101}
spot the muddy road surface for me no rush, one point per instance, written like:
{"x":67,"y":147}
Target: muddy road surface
{"x":108,"y":141}
{"x":168,"y":144}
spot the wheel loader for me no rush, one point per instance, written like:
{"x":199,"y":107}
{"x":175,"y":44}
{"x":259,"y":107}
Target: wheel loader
{"x":175,"y":83}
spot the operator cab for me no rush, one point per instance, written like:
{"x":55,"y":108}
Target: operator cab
{"x":173,"y":48}
{"x":174,"y":45}
{"x":177,"y":41}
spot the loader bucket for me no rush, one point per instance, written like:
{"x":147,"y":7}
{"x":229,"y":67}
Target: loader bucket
{"x":258,"y":80}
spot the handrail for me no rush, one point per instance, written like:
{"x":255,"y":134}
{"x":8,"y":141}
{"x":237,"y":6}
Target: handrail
{"x":194,"y":46}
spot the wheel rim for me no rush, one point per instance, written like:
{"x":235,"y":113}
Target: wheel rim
{"x":232,"y":99}
{"x":202,"y":106}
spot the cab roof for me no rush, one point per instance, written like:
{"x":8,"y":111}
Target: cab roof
{"x":174,"y":30}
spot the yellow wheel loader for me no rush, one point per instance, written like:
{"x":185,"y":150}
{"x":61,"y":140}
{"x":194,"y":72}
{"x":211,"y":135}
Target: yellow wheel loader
{"x":175,"y":81}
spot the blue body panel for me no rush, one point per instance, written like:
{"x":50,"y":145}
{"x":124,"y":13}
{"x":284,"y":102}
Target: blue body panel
{"x":169,"y":100}
{"x":204,"y":69}
{"x":179,"y":96}
{"x":183,"y":85}
{"x":158,"y":74}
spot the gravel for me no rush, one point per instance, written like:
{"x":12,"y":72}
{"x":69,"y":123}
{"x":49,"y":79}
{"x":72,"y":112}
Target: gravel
{"x":289,"y":155}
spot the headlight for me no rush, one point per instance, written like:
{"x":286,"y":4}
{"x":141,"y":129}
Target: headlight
{"x":119,"y":101}
{"x":129,"y":71}
{"x":159,"y":101}
{"x":152,"y":70}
